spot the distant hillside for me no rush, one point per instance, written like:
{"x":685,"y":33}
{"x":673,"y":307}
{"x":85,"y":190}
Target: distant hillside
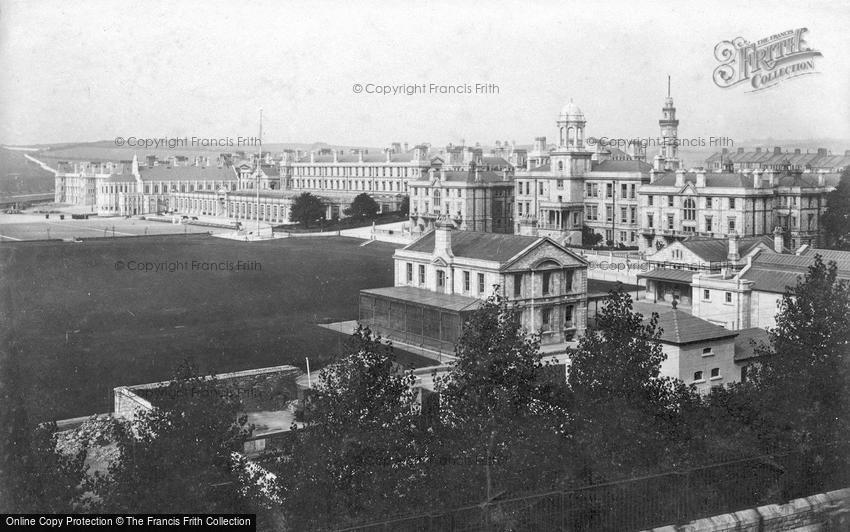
{"x":20,"y":176}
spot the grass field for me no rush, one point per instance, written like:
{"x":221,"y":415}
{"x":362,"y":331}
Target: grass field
{"x":80,"y":325}
{"x":40,"y":228}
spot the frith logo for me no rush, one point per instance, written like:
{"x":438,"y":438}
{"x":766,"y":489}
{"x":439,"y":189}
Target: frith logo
{"x":766,"y":62}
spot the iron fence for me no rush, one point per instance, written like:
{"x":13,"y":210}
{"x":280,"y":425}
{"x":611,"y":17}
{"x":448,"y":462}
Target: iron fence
{"x":675,"y":497}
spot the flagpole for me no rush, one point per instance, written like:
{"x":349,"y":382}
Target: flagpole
{"x":257,"y":184}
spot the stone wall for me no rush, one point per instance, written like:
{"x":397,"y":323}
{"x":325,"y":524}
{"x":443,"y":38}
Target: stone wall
{"x":823,"y":512}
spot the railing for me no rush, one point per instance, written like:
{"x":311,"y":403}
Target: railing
{"x":651,"y":501}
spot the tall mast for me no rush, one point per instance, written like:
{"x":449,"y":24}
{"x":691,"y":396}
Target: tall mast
{"x":668,"y":85}
{"x":257,"y":184}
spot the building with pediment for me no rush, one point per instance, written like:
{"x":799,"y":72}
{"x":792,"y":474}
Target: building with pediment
{"x":444,"y":275}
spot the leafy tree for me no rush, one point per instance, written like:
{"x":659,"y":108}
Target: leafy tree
{"x":802,"y":380}
{"x":501,"y":411}
{"x":356,"y":455}
{"x":363,"y":207}
{"x":626,"y":411}
{"x":404,"y":208}
{"x":34,"y":476}
{"x":306,"y":209}
{"x":177,"y":457}
{"x":836,"y":218}
{"x":589,"y":237}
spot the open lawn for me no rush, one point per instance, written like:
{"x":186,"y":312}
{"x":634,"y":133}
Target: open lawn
{"x":83,"y":318}
{"x":27,"y":227}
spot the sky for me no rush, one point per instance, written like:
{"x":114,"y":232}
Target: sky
{"x":94,"y":70}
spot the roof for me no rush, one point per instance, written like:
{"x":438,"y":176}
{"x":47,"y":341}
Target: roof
{"x":478,"y":245}
{"x":187,"y":173}
{"x":375,"y":157}
{"x":611,"y":165}
{"x":421,"y":296}
{"x":841,"y":258}
{"x":465,"y":176}
{"x":712,"y":179}
{"x":774,"y":272}
{"x":717,"y":249}
{"x":679,"y":327}
{"x":669,"y":274}
{"x":747,"y":340}
{"x":271,"y":170}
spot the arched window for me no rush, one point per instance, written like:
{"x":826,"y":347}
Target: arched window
{"x":690,"y":209}
{"x":560,"y":165}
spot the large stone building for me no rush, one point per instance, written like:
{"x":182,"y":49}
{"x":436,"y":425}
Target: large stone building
{"x":472,"y":199}
{"x":679,"y":204}
{"x":758,"y":159}
{"x":443,"y":275}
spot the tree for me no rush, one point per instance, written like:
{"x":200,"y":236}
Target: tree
{"x":178,"y":457}
{"x":626,"y":411}
{"x":589,"y":237}
{"x":836,"y":218}
{"x":363,"y":207}
{"x":501,"y":412}
{"x":357,"y":453}
{"x":34,"y":475}
{"x":803,"y":374}
{"x":404,"y":208}
{"x":306,"y":208}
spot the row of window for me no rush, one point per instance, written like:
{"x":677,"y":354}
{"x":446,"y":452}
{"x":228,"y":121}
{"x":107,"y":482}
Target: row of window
{"x":706,"y":296}
{"x":340,"y":184}
{"x":355,"y":171}
{"x":671,"y":223}
{"x":698,"y":375}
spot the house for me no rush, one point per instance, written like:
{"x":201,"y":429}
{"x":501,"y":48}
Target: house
{"x":444,"y":275}
{"x":697,"y":352}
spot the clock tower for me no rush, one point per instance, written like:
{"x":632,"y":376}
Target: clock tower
{"x":669,"y":133}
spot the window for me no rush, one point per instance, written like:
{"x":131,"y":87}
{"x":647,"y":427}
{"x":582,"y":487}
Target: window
{"x":624,"y":190}
{"x":669,"y":201}
{"x":588,"y":190}
{"x":480,"y":283}
{"x":517,"y":284}
{"x":706,"y":295}
{"x":650,"y":200}
{"x":609,"y":190}
{"x":649,"y":221}
{"x":547,"y":317}
{"x":708,"y":225}
{"x":728,"y":297}
{"x":715,"y":373}
{"x":568,"y":316}
{"x":547,"y":282}
{"x":731,"y":203}
{"x":421,"y":274}
{"x":633,"y":215}
{"x":466,"y":281}
{"x":441,"y":279}
{"x":697,"y":376}
{"x":708,"y":202}
{"x":609,"y":213}
{"x":409,"y":272}
{"x":560,"y":184}
{"x":731,"y":225}
{"x":624,"y":215}
{"x":632,"y":192}
{"x":707,"y":351}
{"x":670,"y":222}
{"x":690,"y":212}
{"x":568,"y":280}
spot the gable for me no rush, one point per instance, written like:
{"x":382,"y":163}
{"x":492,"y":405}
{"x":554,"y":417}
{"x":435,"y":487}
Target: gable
{"x":542,"y":252}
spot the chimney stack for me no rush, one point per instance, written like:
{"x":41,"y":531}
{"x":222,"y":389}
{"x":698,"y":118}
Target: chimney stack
{"x":658,"y":163}
{"x":680,"y":177}
{"x":700,"y":178}
{"x":822,"y":177}
{"x":778,"y":241}
{"x":443,"y":237}
{"x":734,"y":255}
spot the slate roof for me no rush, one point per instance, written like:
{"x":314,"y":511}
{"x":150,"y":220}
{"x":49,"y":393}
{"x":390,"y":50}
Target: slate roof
{"x":813,"y":160}
{"x":187,"y":173}
{"x":712,"y":180}
{"x":455,"y":176}
{"x":744,"y":342}
{"x":679,"y":327}
{"x":478,"y":245}
{"x":421,"y":296}
{"x":773,"y":272}
{"x":669,"y":274}
{"x":717,"y":249}
{"x":633,"y":165}
{"x":841,"y":258}
{"x":376,"y":157}
{"x":772,"y":280}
